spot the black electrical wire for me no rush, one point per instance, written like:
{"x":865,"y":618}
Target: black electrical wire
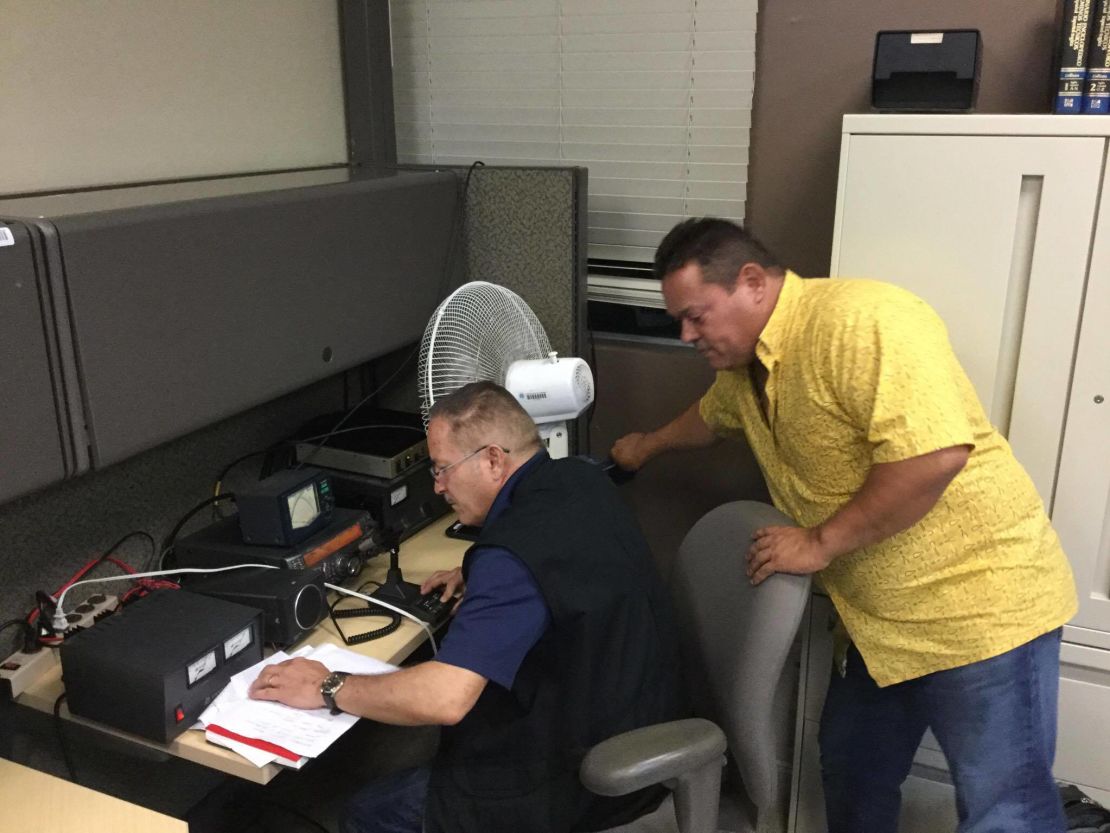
{"x":226,"y":469}
{"x":61,"y":738}
{"x":375,"y":427}
{"x":46,"y":607}
{"x":293,"y":811}
{"x":167,"y":547}
{"x":302,"y":463}
{"x":30,"y":640}
{"x":137,"y":533}
{"x":456,"y":235}
{"x":593,"y":405}
{"x":460,"y":217}
{"x":355,"y":612}
{"x":12,"y":622}
{"x":218,"y":485}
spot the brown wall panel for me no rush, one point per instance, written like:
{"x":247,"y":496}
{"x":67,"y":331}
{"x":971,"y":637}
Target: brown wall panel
{"x":814,"y":65}
{"x":640,"y":386}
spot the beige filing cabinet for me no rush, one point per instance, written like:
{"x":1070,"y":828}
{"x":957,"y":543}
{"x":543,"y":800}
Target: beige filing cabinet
{"x":1001,"y":223}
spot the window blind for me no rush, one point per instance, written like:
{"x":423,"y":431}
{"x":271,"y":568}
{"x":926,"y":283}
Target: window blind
{"x":654,"y":97}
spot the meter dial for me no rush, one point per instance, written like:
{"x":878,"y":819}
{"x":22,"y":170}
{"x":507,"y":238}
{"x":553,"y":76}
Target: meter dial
{"x":237,"y":643}
{"x":200,"y":668}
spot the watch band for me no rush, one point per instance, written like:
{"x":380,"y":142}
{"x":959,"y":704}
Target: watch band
{"x":330,"y":687}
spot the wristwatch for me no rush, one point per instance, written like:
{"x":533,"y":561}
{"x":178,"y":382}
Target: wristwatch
{"x":330,"y":687}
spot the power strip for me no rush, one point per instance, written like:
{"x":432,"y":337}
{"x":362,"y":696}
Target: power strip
{"x":89,"y":612}
{"x":20,"y":671}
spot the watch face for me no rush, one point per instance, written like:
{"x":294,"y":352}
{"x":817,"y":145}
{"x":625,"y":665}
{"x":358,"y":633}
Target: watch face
{"x":331,"y":683}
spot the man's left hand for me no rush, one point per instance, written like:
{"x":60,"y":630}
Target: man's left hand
{"x":785,"y":549}
{"x":295,"y":682}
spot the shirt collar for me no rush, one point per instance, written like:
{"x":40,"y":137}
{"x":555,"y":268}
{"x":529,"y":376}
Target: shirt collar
{"x":504,"y":497}
{"x":773,"y":338}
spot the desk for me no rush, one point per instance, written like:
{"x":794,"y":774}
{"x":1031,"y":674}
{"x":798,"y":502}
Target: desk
{"x":33,"y":800}
{"x":427,"y":551}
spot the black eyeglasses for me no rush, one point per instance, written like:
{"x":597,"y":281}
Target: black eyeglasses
{"x":438,"y":473}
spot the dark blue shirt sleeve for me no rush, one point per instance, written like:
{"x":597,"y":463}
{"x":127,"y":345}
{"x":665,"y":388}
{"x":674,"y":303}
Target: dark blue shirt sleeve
{"x":502,"y":616}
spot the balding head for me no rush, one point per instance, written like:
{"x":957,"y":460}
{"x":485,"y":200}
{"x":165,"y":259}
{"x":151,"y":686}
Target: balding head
{"x":477,"y":438}
{"x":481,"y":413}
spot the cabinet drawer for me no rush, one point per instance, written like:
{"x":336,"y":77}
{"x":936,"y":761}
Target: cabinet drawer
{"x":1083,"y":738}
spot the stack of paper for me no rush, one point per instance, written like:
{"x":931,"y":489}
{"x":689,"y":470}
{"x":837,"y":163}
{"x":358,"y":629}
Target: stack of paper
{"x":265,"y":732}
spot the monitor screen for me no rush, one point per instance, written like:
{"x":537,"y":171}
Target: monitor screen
{"x":303,"y":507}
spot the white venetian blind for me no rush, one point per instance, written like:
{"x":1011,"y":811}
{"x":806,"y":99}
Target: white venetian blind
{"x":653,"y":96}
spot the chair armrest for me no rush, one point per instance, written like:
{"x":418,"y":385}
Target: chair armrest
{"x":651,"y":755}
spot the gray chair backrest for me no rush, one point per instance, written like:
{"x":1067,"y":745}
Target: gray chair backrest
{"x":742,"y":633}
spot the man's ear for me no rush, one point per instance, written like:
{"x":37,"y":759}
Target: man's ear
{"x":499,"y":460}
{"x":752,"y":279}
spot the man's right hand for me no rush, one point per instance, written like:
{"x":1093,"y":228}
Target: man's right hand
{"x":686,"y":431}
{"x":450,"y":580}
{"x":630,"y":452}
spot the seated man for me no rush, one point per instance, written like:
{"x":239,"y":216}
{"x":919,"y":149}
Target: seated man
{"x":562,"y":639}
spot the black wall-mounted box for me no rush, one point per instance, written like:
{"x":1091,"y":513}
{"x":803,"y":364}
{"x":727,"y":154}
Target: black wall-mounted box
{"x":934,"y":71}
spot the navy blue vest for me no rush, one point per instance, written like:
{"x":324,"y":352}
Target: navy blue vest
{"x":607,"y":663}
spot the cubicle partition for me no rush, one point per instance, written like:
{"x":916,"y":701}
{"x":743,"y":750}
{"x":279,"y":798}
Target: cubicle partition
{"x":174,"y":311}
{"x":184,"y":366}
{"x":525,"y":229}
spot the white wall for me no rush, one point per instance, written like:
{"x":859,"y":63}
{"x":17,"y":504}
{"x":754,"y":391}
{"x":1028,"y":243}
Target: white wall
{"x":107,"y":91}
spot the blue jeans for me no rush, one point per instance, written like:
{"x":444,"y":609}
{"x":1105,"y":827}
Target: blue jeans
{"x":996,"y":724}
{"x":393,"y":804}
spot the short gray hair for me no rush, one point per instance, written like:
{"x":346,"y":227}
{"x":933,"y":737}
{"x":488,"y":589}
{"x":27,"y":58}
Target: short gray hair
{"x":484,"y":412}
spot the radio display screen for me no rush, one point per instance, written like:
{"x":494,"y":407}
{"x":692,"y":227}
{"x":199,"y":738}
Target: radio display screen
{"x":303,"y":507}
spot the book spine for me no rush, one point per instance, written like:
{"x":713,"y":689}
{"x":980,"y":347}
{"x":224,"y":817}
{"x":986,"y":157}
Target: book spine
{"x":1096,"y":96}
{"x":1074,"y":46}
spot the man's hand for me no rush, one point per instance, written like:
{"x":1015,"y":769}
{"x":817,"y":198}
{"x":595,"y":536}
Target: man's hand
{"x":785,"y":549}
{"x":630,"y":451}
{"x":452,"y":583}
{"x":686,"y":431}
{"x":295,"y":682}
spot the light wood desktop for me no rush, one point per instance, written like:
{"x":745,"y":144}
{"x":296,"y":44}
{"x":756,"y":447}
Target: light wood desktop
{"x":33,"y":800}
{"x":427,"y":551}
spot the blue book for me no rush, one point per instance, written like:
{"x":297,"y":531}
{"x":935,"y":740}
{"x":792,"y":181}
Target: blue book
{"x":1096,"y":96}
{"x":1074,"y":47}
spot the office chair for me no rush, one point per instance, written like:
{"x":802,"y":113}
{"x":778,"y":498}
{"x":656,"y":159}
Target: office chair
{"x":736,"y":638}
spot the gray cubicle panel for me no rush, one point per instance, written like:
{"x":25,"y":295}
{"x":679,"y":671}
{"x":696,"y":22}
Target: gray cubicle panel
{"x":32,"y":434}
{"x":186,"y":311}
{"x":525,"y":229}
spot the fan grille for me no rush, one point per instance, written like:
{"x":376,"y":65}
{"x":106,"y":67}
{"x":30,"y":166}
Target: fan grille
{"x":583,"y":383}
{"x":474,"y":335}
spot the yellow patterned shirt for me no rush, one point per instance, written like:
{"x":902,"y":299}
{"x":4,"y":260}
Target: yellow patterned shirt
{"x":861,"y":372}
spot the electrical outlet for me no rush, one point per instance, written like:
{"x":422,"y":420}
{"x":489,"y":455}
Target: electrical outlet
{"x":20,"y":671}
{"x":89,"y":612}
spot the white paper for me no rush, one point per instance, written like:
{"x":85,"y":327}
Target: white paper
{"x":305,"y":732}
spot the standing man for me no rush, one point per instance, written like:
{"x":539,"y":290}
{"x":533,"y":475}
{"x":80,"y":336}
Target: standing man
{"x":925,"y":531}
{"x":562,"y":639}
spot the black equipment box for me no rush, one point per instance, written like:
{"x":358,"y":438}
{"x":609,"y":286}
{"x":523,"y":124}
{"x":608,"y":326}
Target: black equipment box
{"x":293,"y":602}
{"x":336,"y":551}
{"x":155,"y":666}
{"x":378,"y":442}
{"x":926,"y":71}
{"x":400,"y":506}
{"x":285,"y":508}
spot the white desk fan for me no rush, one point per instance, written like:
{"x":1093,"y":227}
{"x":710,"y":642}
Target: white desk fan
{"x":485,"y":332}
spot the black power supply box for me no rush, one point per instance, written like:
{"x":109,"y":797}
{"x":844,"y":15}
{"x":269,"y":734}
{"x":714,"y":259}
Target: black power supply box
{"x":152,"y":668}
